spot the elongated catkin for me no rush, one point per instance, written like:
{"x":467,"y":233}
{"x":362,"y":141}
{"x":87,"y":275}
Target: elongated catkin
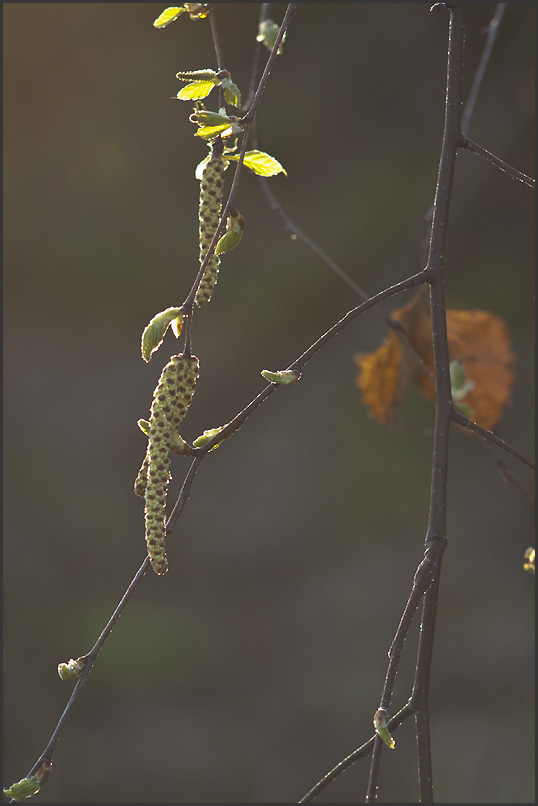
{"x":211,"y":190}
{"x":171,"y":399}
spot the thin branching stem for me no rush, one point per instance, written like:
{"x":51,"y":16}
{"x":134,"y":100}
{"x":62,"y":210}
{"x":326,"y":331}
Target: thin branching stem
{"x":436,"y":538}
{"x":459,"y":418}
{"x":364,"y":750}
{"x":395,"y":324}
{"x":493,"y":32}
{"x":215,"y":37}
{"x":256,"y":60}
{"x":474,"y":148}
{"x":300,"y":362}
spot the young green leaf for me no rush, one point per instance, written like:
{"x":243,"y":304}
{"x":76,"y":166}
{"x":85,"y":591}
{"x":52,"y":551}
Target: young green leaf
{"x":380,"y":725}
{"x":196,"y":11}
{"x":261,"y":163}
{"x":228,"y":241}
{"x":200,"y":441}
{"x":232,"y":94}
{"x":72,"y":669}
{"x":210,"y":132}
{"x":198,"y":89}
{"x":24,"y":788}
{"x":153,"y":335}
{"x":267,"y":34}
{"x":285,"y":376}
{"x":176,"y":325}
{"x":168,"y":16}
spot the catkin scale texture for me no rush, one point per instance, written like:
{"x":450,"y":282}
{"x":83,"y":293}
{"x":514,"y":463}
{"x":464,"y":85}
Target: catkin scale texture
{"x":211,"y":191}
{"x":171,"y":399}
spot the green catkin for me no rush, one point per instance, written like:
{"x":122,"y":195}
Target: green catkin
{"x":171,"y":399}
{"x":211,"y":191}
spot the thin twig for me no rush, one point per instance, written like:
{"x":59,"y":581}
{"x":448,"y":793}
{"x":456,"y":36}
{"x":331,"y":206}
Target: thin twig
{"x":474,"y":148}
{"x":436,"y":539}
{"x":459,"y":418}
{"x":217,"y":48}
{"x":215,"y":37}
{"x":493,"y":31}
{"x":90,"y":658}
{"x":256,"y":60}
{"x":299,"y":362}
{"x":395,"y":324}
{"x":421,"y":688}
{"x":393,"y":724}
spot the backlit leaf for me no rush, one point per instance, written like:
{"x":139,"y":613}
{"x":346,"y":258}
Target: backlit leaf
{"x":153,"y":335}
{"x":261,"y":163}
{"x":168,"y":16}
{"x":209,"y":132}
{"x":232,"y":94}
{"x":198,"y":89}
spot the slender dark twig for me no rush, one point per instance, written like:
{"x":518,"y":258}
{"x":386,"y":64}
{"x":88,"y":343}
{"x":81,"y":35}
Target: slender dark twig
{"x":395,"y":324}
{"x":215,"y":37}
{"x":501,"y":164}
{"x":436,"y":531}
{"x":89,"y":659}
{"x":393,"y":724}
{"x":459,"y":418}
{"x":299,"y":363}
{"x":256,"y":60}
{"x":493,"y":31}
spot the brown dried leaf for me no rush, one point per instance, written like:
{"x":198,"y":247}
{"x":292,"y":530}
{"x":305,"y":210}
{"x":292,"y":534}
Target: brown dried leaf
{"x":479,"y":339}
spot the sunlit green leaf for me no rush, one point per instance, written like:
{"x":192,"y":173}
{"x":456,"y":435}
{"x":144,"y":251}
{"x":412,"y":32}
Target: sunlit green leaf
{"x":176,"y":325}
{"x":228,"y":242}
{"x":261,"y":163}
{"x":200,"y":441}
{"x":283,"y":376}
{"x":198,"y":89}
{"x":232,"y":94}
{"x":209,"y":132}
{"x":153,"y":335}
{"x":23,"y":789}
{"x":168,"y":16}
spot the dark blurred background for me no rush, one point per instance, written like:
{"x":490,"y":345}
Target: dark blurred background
{"x":257,"y":662}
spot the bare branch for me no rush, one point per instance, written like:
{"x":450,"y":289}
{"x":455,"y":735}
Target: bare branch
{"x":459,"y":418}
{"x":503,"y":166}
{"x":493,"y":31}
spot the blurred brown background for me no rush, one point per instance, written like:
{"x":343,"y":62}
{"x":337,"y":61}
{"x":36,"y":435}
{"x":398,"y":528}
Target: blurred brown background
{"x":257,"y":663}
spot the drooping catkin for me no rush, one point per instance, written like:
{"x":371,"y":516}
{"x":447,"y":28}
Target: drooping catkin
{"x":211,"y":191}
{"x":171,"y":399}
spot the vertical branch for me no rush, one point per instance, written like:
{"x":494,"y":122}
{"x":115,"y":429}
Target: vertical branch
{"x":436,"y":537}
{"x":426,"y":581}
